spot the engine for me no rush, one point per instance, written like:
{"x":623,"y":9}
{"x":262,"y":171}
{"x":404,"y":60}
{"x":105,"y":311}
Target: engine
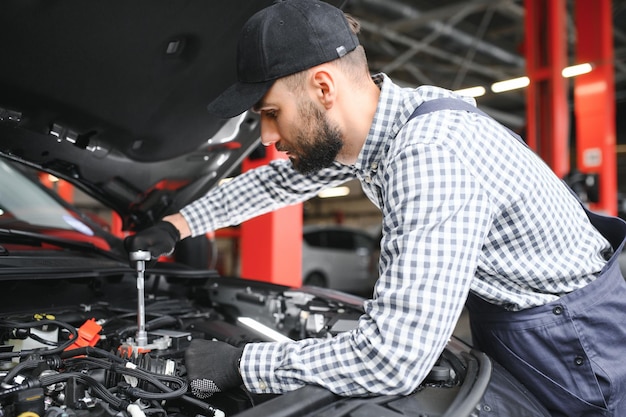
{"x":83,"y":360}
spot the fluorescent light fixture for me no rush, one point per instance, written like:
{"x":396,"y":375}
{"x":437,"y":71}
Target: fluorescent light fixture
{"x":575,"y":70}
{"x":472,"y":91}
{"x":508,"y":85}
{"x":262,"y":329}
{"x":334,"y":192}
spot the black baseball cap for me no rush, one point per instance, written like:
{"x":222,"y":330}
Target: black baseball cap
{"x":285,"y":38}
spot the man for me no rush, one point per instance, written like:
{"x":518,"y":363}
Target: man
{"x":467,"y":209}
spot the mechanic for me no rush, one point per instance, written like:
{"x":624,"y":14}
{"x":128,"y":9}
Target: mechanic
{"x":469,"y":214}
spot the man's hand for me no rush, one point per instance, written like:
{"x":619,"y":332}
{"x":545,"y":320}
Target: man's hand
{"x":212,"y":367}
{"x":159,"y":239}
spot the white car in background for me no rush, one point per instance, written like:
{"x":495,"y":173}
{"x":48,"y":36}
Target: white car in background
{"x":340,"y":258}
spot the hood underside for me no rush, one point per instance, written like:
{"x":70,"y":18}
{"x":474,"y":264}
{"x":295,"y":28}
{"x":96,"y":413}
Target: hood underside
{"x":112,"y":96}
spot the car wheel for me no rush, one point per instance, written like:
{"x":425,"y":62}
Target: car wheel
{"x":316,"y":279}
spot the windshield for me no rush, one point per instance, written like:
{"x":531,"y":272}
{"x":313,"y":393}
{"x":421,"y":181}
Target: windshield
{"x":23,"y":200}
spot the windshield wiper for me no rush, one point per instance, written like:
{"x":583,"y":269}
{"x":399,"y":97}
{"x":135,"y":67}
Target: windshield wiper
{"x":36,"y":239}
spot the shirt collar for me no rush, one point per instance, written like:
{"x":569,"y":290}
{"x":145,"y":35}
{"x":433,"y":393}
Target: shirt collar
{"x":395,"y":106}
{"x":393,"y":109}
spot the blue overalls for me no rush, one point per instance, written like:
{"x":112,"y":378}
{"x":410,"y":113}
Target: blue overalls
{"x":571,"y":353}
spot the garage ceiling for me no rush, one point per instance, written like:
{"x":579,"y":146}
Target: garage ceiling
{"x":460,"y":43}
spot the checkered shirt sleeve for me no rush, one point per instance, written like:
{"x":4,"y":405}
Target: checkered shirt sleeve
{"x":437,"y":218}
{"x":257,"y":192}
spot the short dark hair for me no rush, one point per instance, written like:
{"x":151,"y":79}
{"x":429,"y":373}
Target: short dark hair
{"x":354,"y":63}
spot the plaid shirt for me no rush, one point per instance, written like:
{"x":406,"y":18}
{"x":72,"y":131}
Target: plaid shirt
{"x":465,"y":207}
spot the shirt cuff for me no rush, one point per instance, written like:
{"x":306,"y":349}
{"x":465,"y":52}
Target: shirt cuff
{"x":257,"y":365}
{"x":197,"y":218}
{"x":262,"y":365}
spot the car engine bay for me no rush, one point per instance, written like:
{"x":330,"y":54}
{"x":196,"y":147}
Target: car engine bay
{"x":82,"y":359}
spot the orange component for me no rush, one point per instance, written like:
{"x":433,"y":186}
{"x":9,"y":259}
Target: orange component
{"x":125,"y":351}
{"x":129,"y":351}
{"x":88,"y":335}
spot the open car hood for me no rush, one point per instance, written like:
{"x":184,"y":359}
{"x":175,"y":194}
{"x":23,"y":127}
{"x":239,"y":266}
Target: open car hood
{"x":90,"y":90}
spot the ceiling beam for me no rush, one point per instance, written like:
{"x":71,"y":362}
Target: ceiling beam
{"x":459,"y":36}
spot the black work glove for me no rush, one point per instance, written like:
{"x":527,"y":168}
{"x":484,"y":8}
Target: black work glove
{"x":212,"y":367}
{"x":159,"y":239}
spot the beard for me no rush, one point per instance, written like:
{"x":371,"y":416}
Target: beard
{"x":317,"y":142}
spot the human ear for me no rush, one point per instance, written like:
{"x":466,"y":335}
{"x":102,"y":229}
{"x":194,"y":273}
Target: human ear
{"x":323,"y":87}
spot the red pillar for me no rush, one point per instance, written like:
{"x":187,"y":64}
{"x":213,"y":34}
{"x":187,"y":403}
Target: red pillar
{"x":64,"y":189}
{"x":546,"y":100}
{"x":271,"y":244}
{"x":594,"y":98}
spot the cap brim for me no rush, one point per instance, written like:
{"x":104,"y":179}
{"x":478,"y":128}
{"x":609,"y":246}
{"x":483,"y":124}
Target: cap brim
{"x":238,"y":98}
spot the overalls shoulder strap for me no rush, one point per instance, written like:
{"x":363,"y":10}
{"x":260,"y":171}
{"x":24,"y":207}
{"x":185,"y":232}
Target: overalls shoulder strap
{"x":448,"y":103}
{"x":612,"y":228}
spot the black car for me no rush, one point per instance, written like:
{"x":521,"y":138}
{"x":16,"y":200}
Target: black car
{"x":112,"y":96}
